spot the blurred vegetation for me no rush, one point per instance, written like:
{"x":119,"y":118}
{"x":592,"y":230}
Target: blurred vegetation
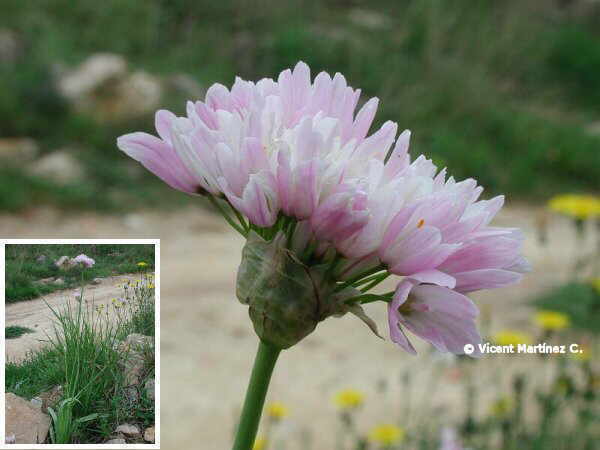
{"x":578,"y":300}
{"x":84,"y":355}
{"x":506,"y":92}
{"x":16,"y":331}
{"x":24,"y":270}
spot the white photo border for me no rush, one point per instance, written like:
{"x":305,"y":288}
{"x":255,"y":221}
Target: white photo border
{"x":156,"y":243}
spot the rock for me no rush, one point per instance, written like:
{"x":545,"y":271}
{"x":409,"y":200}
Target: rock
{"x":10,"y":47}
{"x":51,"y":398}
{"x":45,"y":280}
{"x":149,"y":387}
{"x":184,"y":86}
{"x":137,"y":342}
{"x":103,"y":87}
{"x":96,"y":281}
{"x":149,"y":434}
{"x":128,"y":430}
{"x":368,"y":19}
{"x":59,"y":282}
{"x":593,"y":129}
{"x":133,"y":361}
{"x":96,"y":71}
{"x":59,"y":166}
{"x":133,"y":365}
{"x":116,"y":441}
{"x":36,"y":402}
{"x":28,"y":424}
{"x":41,"y":259}
{"x":15,"y":152}
{"x":140,"y":94}
{"x":62,"y":262}
{"x":131,"y":394}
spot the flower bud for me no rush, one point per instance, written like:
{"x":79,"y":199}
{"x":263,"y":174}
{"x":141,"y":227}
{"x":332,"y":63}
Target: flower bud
{"x":286,"y":298}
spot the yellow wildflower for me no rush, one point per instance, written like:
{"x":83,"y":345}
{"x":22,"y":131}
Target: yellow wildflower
{"x":551,"y":320}
{"x":502,"y":407}
{"x":150,"y":286}
{"x":260,"y":444}
{"x":349,"y":399}
{"x":386,"y":434}
{"x":511,"y":337}
{"x":596,"y":284}
{"x":577,"y":206}
{"x":584,"y":354}
{"x":142,"y":264}
{"x":277,"y":410}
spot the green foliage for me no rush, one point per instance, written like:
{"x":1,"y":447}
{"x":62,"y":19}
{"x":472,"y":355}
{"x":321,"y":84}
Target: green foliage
{"x":23,"y":271}
{"x":64,"y":426}
{"x":83,"y":357}
{"x":13,"y":332}
{"x":496,"y":90}
{"x":575,"y":61}
{"x":578,"y":300}
{"x":39,"y":372}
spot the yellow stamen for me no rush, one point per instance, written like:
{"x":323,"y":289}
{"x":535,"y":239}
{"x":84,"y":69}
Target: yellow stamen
{"x":421,"y":223}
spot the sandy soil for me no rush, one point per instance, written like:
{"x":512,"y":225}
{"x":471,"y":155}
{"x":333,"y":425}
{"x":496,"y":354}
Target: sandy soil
{"x":36,"y":315}
{"x":208,"y":344}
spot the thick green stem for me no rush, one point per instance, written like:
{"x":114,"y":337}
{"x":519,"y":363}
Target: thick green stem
{"x":266,"y":357}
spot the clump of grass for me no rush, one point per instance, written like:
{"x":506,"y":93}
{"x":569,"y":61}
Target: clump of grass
{"x":86,"y":345}
{"x":64,"y":425}
{"x":135,"y":310}
{"x":38,"y":372}
{"x":83,"y":356}
{"x":16,"y":331}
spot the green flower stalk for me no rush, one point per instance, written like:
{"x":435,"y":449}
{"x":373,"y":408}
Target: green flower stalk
{"x":286,"y":298}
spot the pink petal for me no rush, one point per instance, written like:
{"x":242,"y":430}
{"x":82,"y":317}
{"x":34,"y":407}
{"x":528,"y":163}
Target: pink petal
{"x":160,"y":159}
{"x":485,"y":279}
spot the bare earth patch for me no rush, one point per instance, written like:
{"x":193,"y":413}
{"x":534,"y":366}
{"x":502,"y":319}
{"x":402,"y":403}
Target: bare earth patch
{"x":208,"y":344}
{"x":36,"y":315}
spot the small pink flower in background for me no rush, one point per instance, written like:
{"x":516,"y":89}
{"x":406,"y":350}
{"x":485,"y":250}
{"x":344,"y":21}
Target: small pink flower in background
{"x":84,"y":260}
{"x":450,"y":440}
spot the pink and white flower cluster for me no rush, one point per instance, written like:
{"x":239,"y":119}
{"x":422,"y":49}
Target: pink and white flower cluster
{"x":84,"y":260}
{"x":299,"y":148}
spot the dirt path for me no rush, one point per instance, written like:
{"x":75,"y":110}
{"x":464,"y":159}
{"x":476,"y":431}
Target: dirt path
{"x":207,"y":343}
{"x":36,"y":315}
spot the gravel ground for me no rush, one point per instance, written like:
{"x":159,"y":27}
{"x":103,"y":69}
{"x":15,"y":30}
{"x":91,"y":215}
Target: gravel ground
{"x":207,"y":343}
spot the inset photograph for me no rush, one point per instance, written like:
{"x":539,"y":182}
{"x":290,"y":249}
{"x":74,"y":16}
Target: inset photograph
{"x":81,"y":347}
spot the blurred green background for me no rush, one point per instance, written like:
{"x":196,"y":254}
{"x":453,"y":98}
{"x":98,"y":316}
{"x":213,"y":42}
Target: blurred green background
{"x":507,"y":92}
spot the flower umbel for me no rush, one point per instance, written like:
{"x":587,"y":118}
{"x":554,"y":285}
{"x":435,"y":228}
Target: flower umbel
{"x":84,"y":260}
{"x":291,"y":162}
{"x":329,"y":211}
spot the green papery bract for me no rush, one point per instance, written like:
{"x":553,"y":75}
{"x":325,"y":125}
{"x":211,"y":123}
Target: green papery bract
{"x":286,"y":298}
